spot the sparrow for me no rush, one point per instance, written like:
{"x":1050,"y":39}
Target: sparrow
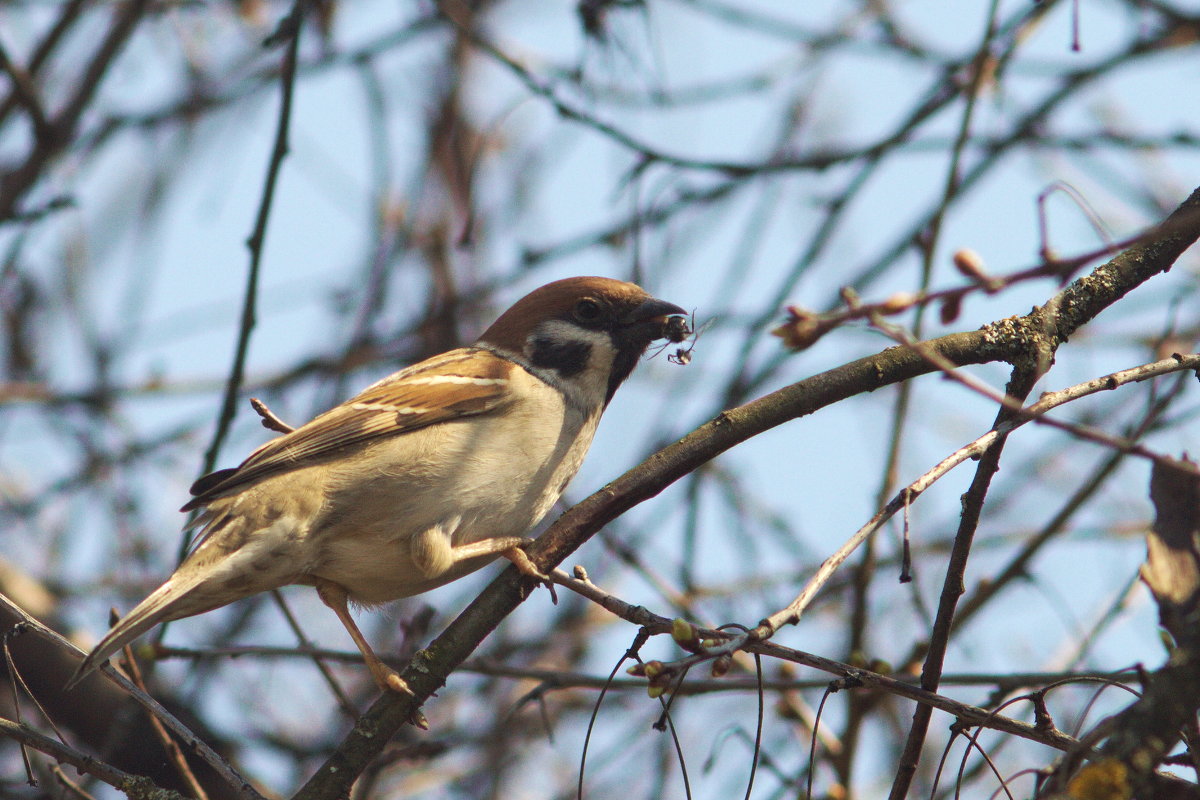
{"x":425,"y":476}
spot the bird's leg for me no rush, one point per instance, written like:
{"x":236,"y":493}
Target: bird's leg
{"x":510,"y":547}
{"x":334,"y":596}
{"x":507,"y":546}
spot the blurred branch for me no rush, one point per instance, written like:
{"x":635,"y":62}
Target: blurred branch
{"x":59,"y":130}
{"x":66,"y":20}
{"x":24,"y":93}
{"x":557,"y":679}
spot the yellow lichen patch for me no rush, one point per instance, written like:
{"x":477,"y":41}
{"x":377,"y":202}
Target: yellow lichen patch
{"x":1104,"y":780}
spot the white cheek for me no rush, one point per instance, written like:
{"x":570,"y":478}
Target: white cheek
{"x":595,"y":375}
{"x":569,"y":332}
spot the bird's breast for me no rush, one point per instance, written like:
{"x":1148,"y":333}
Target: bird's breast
{"x":488,"y":476}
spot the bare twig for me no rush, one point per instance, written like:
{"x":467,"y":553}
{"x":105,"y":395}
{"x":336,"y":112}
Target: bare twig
{"x":975,"y":449}
{"x":269,"y":420}
{"x":1019,"y":386}
{"x":803,"y":328}
{"x":567,"y":679}
{"x":856,"y":677}
{"x":306,"y":647}
{"x":1117,"y":443}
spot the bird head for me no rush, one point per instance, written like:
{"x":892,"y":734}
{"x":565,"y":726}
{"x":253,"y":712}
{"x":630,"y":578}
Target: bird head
{"x":585,"y":334}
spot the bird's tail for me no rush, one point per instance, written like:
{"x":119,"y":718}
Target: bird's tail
{"x":169,"y":601}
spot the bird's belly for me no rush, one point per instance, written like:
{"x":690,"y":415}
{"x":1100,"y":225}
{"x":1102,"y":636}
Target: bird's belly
{"x":390,"y":530}
{"x":376,"y":571}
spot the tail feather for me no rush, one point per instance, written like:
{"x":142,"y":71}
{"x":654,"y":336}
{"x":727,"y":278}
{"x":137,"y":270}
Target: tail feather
{"x":163,"y":604}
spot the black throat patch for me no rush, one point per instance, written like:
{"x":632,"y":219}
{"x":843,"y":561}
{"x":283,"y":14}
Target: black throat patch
{"x":565,"y":357}
{"x":626,"y":359}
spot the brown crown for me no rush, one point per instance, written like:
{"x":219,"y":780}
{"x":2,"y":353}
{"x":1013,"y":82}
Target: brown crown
{"x":555,"y":301}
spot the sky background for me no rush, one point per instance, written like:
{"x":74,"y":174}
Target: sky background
{"x":151,"y":259}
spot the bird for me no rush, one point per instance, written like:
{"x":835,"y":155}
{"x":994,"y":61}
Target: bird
{"x":423,"y":477}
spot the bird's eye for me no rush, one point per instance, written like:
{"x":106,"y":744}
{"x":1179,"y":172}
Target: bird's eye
{"x":587,"y":310}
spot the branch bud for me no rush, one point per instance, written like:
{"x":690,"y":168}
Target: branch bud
{"x":685,"y":634}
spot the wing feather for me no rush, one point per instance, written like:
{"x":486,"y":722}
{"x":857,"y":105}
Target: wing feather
{"x":457,"y":384}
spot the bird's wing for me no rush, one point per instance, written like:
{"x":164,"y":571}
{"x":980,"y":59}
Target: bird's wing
{"x":460,"y":383}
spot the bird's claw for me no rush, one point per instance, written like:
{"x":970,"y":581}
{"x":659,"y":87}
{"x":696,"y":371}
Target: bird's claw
{"x":390,"y":680}
{"x":526,"y":567}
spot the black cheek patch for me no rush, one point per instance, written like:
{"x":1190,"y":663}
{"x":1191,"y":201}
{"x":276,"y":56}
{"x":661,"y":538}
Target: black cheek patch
{"x":566,"y":357}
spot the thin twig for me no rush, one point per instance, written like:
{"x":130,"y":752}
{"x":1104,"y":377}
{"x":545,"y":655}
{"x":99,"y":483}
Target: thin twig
{"x":1119,"y":443}
{"x":790,"y":614}
{"x":857,"y":677}
{"x":339,"y":694}
{"x":269,"y":420}
{"x":555,"y":679}
{"x":1022,"y":382}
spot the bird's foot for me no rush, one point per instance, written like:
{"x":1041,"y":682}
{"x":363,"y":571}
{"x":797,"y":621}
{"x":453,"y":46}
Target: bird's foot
{"x":389,"y":680}
{"x":526,"y":567}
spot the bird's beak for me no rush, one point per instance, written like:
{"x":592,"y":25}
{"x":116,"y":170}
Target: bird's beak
{"x":652,"y":309}
{"x":648,"y":321}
